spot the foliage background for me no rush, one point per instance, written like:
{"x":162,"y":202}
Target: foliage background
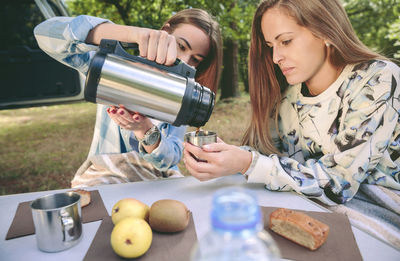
{"x":377,"y":24}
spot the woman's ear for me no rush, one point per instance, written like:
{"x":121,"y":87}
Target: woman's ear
{"x":167,"y":28}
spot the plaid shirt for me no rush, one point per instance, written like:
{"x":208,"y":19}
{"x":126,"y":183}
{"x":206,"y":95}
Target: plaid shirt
{"x":63,"y":38}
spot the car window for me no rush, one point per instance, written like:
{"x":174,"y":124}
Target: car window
{"x":27,"y":73}
{"x":17,"y":19}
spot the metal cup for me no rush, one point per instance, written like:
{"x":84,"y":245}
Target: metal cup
{"x":200,"y":138}
{"x":57,"y":220}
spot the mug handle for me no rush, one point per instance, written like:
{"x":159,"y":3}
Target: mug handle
{"x":67,"y":223}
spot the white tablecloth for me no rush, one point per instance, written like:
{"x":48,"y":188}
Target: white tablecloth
{"x":194,"y":194}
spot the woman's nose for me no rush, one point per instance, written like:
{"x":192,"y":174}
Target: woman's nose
{"x":277,"y":56}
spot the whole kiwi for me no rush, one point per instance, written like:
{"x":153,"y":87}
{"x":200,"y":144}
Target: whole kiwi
{"x":168,"y":215}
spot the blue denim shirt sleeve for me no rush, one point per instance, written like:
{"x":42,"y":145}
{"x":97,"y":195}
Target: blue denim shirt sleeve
{"x":63,"y":38}
{"x":108,"y":138}
{"x":169,"y":151}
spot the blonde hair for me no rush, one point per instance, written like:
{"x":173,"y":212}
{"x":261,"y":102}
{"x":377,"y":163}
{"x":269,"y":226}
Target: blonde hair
{"x":326,"y":19}
{"x":209,"y":70}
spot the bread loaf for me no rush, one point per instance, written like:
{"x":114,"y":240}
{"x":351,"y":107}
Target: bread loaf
{"x":299,"y":228}
{"x":85,"y":196}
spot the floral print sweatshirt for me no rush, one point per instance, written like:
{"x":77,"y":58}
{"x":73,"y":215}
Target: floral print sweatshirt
{"x":333,"y":142}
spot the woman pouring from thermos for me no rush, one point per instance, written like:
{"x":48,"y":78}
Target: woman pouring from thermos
{"x":126,"y":145}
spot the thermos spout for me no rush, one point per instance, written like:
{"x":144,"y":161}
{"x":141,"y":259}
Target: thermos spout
{"x":166,"y":93}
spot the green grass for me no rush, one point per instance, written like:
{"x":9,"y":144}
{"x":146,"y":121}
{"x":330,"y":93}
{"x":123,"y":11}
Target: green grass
{"x":41,"y":148}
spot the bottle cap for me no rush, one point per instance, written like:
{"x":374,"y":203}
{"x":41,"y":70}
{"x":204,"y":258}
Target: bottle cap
{"x":235,"y":209}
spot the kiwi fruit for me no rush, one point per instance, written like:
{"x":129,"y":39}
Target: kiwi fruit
{"x":168,"y":215}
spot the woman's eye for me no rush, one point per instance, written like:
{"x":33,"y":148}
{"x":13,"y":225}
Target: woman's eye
{"x":181,"y":47}
{"x":286,"y":42}
{"x":195,"y":60}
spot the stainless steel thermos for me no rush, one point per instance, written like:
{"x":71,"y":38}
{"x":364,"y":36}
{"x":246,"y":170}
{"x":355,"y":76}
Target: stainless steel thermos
{"x":166,"y":93}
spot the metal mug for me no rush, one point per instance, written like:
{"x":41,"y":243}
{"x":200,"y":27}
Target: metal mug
{"x":200,"y":138}
{"x":57,"y":220}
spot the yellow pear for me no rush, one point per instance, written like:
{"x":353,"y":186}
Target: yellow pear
{"x":129,"y":207}
{"x":131,"y":237}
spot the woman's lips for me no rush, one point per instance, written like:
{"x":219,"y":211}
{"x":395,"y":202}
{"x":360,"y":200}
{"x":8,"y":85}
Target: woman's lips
{"x":287,"y":70}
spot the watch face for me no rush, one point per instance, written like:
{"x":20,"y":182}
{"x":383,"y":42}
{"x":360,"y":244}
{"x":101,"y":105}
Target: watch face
{"x":152,"y":137}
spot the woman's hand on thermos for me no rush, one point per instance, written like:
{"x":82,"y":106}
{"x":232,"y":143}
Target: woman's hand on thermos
{"x":155,"y":45}
{"x":221,"y":160}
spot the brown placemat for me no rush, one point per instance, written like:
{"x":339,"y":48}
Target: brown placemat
{"x":165,"y":246}
{"x":22,"y":224}
{"x":340,"y":244}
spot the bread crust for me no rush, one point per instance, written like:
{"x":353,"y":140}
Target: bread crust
{"x":299,"y":228}
{"x":85,"y":196}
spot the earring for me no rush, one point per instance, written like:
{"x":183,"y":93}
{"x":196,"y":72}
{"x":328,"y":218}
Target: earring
{"x":327,"y":44}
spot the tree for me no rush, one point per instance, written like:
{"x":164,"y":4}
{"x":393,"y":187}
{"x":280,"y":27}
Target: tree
{"x":236,"y":26}
{"x":372,"y":20}
{"x":130,"y":12}
{"x":394,"y":35}
{"x":234,"y":17}
{"x":230,"y":73}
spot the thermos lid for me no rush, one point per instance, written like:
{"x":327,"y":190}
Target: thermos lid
{"x":197,"y":105}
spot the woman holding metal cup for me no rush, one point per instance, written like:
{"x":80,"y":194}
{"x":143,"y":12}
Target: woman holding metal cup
{"x":139,"y":147}
{"x":325,"y":108}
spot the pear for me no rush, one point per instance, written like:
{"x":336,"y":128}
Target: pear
{"x":129,"y":207}
{"x":168,"y":215}
{"x":131,"y":237}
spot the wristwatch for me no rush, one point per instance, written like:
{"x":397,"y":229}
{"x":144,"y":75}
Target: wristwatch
{"x":151,"y":136}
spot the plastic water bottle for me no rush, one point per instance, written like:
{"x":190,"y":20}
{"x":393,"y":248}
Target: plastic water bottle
{"x":237,"y":230}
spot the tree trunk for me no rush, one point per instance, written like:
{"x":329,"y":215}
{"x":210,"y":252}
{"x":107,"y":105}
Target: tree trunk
{"x":243,"y":64}
{"x":229,"y":83}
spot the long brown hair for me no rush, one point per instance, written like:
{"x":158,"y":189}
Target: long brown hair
{"x":326,"y":19}
{"x":209,"y":70}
